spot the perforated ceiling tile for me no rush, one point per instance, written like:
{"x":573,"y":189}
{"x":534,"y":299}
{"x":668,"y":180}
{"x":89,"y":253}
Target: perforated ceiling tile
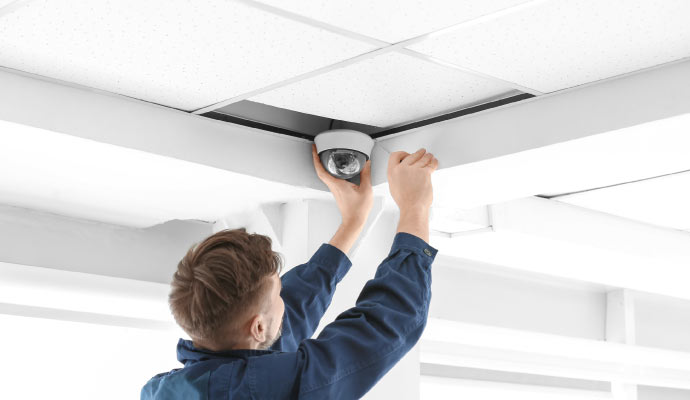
{"x":660,"y":201}
{"x":385,"y":90}
{"x":393,"y":20}
{"x":559,"y":44}
{"x":178,"y":53}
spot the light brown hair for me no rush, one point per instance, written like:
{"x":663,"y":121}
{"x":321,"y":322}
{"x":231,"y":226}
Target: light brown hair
{"x":221,"y":280}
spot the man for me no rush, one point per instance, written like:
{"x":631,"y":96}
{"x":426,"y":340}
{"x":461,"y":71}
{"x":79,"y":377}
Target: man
{"x":251,"y":329}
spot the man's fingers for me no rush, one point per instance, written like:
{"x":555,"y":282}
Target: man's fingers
{"x":365,"y":175}
{"x":414,"y":157}
{"x":320,"y":170}
{"x":396,"y":157}
{"x":433,"y":165}
{"x":424,"y":160}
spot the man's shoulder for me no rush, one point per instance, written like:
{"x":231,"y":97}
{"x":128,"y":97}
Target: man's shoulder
{"x":201,"y":380}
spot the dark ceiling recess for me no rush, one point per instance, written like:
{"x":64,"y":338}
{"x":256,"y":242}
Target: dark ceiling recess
{"x":306,"y":126}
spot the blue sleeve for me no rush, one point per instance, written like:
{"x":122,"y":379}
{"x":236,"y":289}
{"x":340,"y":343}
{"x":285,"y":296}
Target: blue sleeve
{"x":307,"y":293}
{"x":353,"y":352}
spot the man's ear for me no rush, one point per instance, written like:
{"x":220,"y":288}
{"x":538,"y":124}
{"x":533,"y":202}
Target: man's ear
{"x":257,"y":328}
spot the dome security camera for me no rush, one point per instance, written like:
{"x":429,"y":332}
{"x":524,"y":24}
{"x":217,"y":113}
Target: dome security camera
{"x":343,"y":152}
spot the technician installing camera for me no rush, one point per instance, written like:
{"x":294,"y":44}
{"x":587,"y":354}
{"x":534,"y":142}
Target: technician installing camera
{"x":251,"y":329}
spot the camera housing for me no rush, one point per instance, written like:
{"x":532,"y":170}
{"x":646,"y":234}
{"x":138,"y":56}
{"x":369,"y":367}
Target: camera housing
{"x":343,"y":152}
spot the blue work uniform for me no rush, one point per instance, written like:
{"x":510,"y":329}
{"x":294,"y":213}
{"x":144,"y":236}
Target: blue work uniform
{"x":347,"y":358}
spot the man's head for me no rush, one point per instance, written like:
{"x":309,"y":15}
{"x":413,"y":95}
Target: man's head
{"x":226,"y":292}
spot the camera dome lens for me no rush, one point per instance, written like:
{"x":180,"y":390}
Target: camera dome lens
{"x":343,"y":163}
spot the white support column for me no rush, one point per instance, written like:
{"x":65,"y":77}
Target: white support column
{"x":295,"y":217}
{"x":254,"y":220}
{"x":620,"y":328}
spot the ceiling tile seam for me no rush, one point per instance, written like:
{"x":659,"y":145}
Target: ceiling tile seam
{"x":13,"y":6}
{"x":314,"y":23}
{"x":355,"y":36}
{"x":365,"y":56}
{"x":438,"y":61}
{"x":464,"y":24}
{"x":294,"y":79}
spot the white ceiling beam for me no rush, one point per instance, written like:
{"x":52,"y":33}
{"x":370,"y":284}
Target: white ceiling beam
{"x":135,"y":124}
{"x":82,"y":297}
{"x":512,"y":151}
{"x":558,"y":239}
{"x":491,"y":156}
{"x":551,"y":219}
{"x":477,"y":346}
{"x":149,"y":254}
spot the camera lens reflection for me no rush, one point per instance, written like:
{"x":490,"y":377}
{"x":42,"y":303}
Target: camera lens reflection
{"x":343,"y":163}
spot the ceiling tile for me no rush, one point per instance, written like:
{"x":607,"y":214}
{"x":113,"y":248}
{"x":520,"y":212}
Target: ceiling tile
{"x":393,"y":20}
{"x":559,"y":44}
{"x":177,"y":53}
{"x":388,"y":89}
{"x":660,"y":201}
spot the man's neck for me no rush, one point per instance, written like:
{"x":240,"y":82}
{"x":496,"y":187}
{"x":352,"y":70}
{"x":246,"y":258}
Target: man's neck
{"x":202,"y":345}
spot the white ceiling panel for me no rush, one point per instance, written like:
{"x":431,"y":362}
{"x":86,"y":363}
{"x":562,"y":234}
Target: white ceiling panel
{"x":384,"y":90}
{"x":393,"y":20}
{"x":662,"y":201}
{"x":559,"y":44}
{"x":177,"y":53}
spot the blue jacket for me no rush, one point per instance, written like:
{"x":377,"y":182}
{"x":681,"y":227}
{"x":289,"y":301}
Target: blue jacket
{"x":347,"y":358}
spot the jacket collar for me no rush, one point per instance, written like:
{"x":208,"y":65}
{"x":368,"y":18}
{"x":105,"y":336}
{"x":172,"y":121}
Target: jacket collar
{"x":187,"y":353}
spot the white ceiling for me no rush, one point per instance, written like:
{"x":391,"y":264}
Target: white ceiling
{"x":663,"y":201}
{"x":388,"y":89}
{"x":555,"y":45}
{"x":176,"y":53}
{"x":202,"y":55}
{"x":393,"y":20}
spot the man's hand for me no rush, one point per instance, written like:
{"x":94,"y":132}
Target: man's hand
{"x":409,"y":181}
{"x":354,"y":202}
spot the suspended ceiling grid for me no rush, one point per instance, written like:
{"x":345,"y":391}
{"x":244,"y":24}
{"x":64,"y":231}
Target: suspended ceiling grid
{"x":382,"y":64}
{"x":185,"y":59}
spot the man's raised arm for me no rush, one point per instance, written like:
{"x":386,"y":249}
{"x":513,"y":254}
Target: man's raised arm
{"x":352,"y":353}
{"x":308,"y":288}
